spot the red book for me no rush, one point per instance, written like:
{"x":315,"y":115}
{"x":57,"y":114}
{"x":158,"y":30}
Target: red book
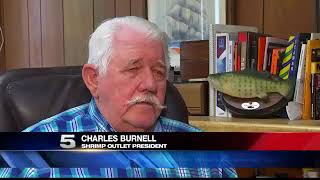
{"x":243,"y":40}
{"x":243,"y":36}
{"x":275,"y":60}
{"x":239,"y":57}
{"x":235,"y":55}
{"x":261,"y":50}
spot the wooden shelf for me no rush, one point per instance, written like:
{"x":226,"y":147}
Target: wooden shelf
{"x":216,"y":124}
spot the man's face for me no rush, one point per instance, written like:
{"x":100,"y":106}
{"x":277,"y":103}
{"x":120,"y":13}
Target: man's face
{"x":137,"y":68}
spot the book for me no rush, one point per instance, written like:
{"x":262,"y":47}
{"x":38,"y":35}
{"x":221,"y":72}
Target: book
{"x":306,"y":108}
{"x":299,"y":39}
{"x":213,"y":30}
{"x":299,"y":89}
{"x":243,"y":56}
{"x":249,"y":55}
{"x":281,"y":57}
{"x":231,"y":51}
{"x":261,"y":50}
{"x":285,"y":64}
{"x":316,"y":96}
{"x":230,"y":60}
{"x":271,"y":43}
{"x":315,"y":84}
{"x":238,"y":57}
{"x":275,"y":60}
{"x":254,"y":48}
{"x":222,"y":59}
{"x":243,"y":39}
{"x":235,"y":56}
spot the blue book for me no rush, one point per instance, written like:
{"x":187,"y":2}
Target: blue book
{"x":300,"y":38}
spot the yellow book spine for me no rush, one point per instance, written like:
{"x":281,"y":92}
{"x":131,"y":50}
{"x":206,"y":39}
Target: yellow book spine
{"x":315,"y":67}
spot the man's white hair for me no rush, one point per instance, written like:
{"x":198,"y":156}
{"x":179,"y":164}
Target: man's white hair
{"x":101,"y":41}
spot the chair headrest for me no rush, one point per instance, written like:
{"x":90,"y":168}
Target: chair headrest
{"x":30,"y":95}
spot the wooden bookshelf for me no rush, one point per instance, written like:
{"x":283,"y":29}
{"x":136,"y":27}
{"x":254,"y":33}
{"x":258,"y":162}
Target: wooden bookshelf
{"x":216,"y":124}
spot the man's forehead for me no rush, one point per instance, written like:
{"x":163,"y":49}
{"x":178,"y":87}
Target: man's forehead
{"x":138,"y":61}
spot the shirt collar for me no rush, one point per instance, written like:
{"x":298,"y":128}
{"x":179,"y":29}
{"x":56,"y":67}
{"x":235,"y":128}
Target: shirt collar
{"x":104,"y":125}
{"x":96,"y":116}
{"x":158,"y":126}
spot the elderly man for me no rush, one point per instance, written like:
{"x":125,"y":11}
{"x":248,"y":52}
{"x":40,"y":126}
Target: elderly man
{"x":126,"y":75}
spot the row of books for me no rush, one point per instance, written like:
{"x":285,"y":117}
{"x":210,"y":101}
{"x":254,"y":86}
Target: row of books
{"x":237,"y":48}
{"x":310,"y":97}
{"x":252,"y":50}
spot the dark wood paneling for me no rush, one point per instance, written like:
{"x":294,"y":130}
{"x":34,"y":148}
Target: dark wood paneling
{"x":35,"y":47}
{"x":230,"y":9}
{"x":103,"y":9}
{"x":52,"y":33}
{"x":2,"y":51}
{"x":123,"y":8}
{"x":277,"y":18}
{"x":285,"y":17}
{"x":138,"y":8}
{"x":16,"y":33}
{"x":249,"y":13}
{"x":78,"y":25}
{"x":55,"y":32}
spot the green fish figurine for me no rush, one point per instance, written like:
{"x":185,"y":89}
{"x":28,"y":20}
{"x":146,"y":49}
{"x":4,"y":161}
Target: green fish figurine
{"x":251,"y":84}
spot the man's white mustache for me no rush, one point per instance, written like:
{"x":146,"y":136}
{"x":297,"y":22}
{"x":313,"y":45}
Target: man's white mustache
{"x":148,"y":98}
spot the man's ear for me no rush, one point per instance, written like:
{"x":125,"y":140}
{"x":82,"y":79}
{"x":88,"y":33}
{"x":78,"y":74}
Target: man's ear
{"x":90,"y":78}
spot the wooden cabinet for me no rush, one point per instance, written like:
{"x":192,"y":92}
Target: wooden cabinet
{"x":194,"y":59}
{"x":285,"y":17}
{"x":196,"y":97}
{"x":277,"y":18}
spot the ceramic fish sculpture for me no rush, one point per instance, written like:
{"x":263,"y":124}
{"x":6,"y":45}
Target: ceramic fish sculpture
{"x":251,"y":84}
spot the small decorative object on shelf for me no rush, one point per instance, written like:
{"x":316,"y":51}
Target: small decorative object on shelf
{"x":272,"y":106}
{"x":250,"y":93}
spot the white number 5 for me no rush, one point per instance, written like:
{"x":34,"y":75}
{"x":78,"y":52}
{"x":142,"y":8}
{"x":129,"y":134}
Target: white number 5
{"x":67,"y":141}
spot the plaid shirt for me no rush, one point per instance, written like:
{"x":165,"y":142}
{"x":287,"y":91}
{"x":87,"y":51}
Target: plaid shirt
{"x":87,"y":118}
{"x":117,"y":173}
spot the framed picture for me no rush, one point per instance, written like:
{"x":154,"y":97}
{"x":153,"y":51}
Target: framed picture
{"x":184,"y":19}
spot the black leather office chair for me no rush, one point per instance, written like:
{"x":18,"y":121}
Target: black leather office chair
{"x":30,"y":95}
